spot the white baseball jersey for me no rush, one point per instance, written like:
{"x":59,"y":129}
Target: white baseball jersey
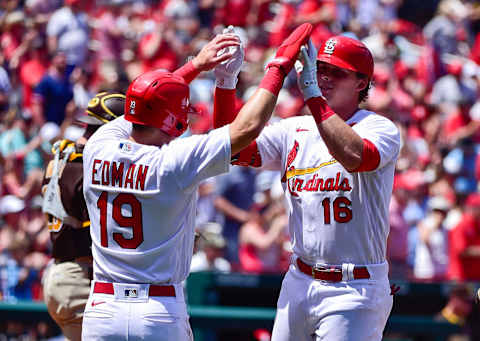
{"x":142,"y":201}
{"x":335,"y":216}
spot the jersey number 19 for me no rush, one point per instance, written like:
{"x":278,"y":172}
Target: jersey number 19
{"x":133,"y":222}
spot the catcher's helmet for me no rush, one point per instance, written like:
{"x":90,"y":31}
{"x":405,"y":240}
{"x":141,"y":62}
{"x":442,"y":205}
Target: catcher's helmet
{"x":104,"y":107}
{"x":159,"y":99}
{"x":347,"y":53}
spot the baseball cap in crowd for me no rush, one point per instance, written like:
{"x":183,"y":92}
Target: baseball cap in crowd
{"x":439,"y":203}
{"x":73,"y":132}
{"x":11,"y":204}
{"x":215,"y":240}
{"x":49,"y":131}
{"x":15,"y":17}
{"x":211,"y":235}
{"x":453,"y":8}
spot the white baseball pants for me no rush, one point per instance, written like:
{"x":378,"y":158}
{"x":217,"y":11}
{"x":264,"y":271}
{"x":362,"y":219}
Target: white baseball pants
{"x":123,"y":316}
{"x":313,"y":310}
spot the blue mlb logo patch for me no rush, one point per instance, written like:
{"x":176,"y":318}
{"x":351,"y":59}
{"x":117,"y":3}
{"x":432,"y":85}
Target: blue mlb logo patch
{"x":126,"y":147}
{"x":131,"y":293}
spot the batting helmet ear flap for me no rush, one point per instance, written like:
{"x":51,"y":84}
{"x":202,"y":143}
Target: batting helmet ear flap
{"x":159,"y":99}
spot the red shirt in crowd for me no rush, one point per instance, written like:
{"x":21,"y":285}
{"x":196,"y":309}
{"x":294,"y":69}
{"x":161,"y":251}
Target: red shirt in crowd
{"x":465,"y":234}
{"x":475,"y":51}
{"x":319,"y":13}
{"x":31,"y":72}
{"x":164,"y":56}
{"x":235,"y":12}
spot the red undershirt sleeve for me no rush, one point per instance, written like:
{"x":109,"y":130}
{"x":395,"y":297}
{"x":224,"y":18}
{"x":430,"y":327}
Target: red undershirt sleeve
{"x":224,"y":113}
{"x":250,"y":156}
{"x":188,"y":72}
{"x":370,"y":157}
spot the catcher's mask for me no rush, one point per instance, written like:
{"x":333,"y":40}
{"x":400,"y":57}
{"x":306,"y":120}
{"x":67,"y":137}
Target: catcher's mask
{"x":159,"y":99}
{"x":104,"y":107}
{"x":347,"y":53}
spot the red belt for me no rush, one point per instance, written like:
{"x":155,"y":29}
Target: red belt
{"x":154,"y":290}
{"x":331,"y":274}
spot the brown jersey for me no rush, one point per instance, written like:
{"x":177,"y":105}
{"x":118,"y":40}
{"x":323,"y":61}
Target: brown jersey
{"x":70,"y":236}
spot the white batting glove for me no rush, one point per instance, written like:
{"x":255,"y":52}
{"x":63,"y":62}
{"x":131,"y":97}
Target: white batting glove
{"x":226,"y":73}
{"x":307,"y":72}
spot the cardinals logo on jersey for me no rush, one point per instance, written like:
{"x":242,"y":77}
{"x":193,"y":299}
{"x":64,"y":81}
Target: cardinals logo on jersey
{"x":292,"y":154}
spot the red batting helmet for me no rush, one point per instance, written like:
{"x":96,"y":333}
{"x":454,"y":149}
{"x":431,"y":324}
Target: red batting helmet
{"x":159,"y":99}
{"x":347,"y":53}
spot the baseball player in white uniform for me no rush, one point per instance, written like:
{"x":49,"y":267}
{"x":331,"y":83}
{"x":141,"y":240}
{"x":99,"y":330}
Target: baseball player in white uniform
{"x":338,"y":168}
{"x":140,"y":186}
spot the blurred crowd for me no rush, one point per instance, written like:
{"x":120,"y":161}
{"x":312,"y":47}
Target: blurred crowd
{"x":55,"y":55}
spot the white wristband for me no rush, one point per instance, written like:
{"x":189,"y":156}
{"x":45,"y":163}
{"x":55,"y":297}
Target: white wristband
{"x":226,"y":82}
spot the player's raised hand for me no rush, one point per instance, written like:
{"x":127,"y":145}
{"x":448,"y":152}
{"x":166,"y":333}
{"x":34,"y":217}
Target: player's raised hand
{"x":210,"y":56}
{"x":226,"y":72}
{"x":288,"y":51}
{"x":306,"y":69}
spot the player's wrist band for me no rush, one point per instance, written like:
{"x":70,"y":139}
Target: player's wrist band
{"x":273,"y":80}
{"x":319,"y":108}
{"x":224,"y":108}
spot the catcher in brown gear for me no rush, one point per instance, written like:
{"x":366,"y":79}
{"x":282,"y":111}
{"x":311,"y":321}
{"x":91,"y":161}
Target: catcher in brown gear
{"x":66,"y":282}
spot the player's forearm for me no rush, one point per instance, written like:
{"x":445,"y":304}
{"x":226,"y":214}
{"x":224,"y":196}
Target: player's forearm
{"x":325,"y":15}
{"x":263,"y":242}
{"x":345,"y":145}
{"x":37,"y":110}
{"x":33,"y":144}
{"x":152,"y":46}
{"x":251,"y":119}
{"x":250,"y":233}
{"x":272,"y":235}
{"x":471,"y":251}
{"x":230,"y":210}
